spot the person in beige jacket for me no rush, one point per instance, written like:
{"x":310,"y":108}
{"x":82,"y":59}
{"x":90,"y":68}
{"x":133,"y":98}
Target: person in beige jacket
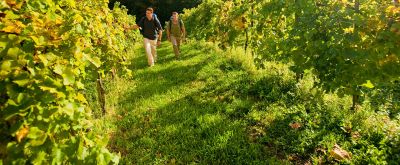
{"x":176,"y":32}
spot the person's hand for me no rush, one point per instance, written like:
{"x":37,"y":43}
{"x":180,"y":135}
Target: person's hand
{"x":131,"y":27}
{"x":158,"y":42}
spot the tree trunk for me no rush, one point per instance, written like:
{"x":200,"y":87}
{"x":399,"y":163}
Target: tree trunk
{"x":101,"y":94}
{"x":113,"y":73}
{"x":357,"y":5}
{"x":247,"y":40}
{"x":246,"y":45}
{"x":299,"y":76}
{"x":356,"y":102}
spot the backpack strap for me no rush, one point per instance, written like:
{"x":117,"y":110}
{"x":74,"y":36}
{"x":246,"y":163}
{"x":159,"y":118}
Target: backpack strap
{"x":180,"y":24}
{"x":170,"y":25}
{"x":155,"y":19}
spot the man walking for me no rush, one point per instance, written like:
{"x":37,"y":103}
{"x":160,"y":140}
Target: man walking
{"x":176,"y":32}
{"x":151,"y":30}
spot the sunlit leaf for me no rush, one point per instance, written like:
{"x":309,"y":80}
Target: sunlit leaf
{"x":11,"y":29}
{"x":81,"y":98}
{"x":340,"y":154}
{"x":41,"y":158}
{"x":368,"y":84}
{"x":13,"y":52}
{"x":58,"y":69}
{"x":69,"y":109}
{"x":95,"y":61}
{"x":6,"y":66}
{"x":69,"y":77}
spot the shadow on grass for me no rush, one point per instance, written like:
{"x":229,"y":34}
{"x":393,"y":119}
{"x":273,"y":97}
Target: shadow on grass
{"x":159,"y":82}
{"x":189,"y":130}
{"x":197,"y":131}
{"x":164,"y":54}
{"x":211,"y":124}
{"x":192,"y":127}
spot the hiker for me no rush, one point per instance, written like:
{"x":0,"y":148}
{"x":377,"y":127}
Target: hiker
{"x":176,"y":32}
{"x":150,"y":28}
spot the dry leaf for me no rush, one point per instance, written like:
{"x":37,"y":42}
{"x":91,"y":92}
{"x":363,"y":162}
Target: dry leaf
{"x":355,"y":135}
{"x":295,"y":125}
{"x":119,"y":117}
{"x":21,"y":133}
{"x":339,"y":153}
{"x":11,"y":2}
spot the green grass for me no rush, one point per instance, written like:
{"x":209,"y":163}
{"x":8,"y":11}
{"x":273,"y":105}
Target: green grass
{"x":215,"y":107}
{"x":166,"y":113}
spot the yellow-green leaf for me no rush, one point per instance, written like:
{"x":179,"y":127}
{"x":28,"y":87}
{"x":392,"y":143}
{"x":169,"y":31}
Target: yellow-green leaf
{"x":81,"y":98}
{"x":43,"y":59}
{"x":40,"y":158}
{"x":69,"y":109}
{"x":13,"y":52}
{"x":58,"y":69}
{"x":38,"y":41}
{"x":69,"y":77}
{"x":35,"y":132}
{"x":368,"y":84}
{"x":6,"y":66}
{"x":37,"y":136}
{"x":22,"y":82}
{"x":11,"y":29}
{"x":95,"y":61}
{"x":71,"y":3}
{"x":78,"y":18}
{"x":80,"y":85}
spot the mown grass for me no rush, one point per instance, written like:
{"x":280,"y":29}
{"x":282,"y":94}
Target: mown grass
{"x":216,"y":107}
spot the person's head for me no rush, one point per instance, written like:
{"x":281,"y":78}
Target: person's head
{"x":149,"y":13}
{"x":175,"y":15}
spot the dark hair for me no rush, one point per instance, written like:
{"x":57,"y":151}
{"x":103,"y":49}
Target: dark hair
{"x":150,"y":9}
{"x":174,"y":12}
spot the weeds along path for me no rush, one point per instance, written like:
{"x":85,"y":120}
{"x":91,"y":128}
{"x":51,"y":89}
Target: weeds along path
{"x":176,"y":111}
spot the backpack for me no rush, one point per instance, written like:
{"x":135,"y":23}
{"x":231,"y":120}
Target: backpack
{"x":180,"y":24}
{"x":155,"y":16}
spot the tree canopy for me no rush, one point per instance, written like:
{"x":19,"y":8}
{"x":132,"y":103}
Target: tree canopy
{"x":163,"y":8}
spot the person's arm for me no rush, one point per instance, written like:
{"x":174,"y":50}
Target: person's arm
{"x":183,"y":31}
{"x":159,"y":31}
{"x":139,"y":25}
{"x":159,"y":37}
{"x":132,"y":27}
{"x":168,"y":32}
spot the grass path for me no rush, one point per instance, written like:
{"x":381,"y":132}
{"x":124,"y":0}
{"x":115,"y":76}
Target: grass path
{"x":172,"y":114}
{"x":216,"y":107}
